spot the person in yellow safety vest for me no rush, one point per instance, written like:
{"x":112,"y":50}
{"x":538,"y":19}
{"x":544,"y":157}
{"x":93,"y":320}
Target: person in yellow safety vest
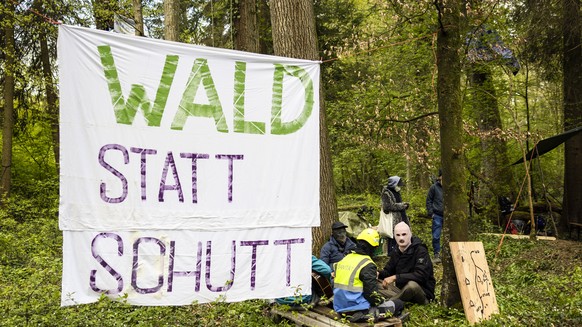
{"x":356,"y":291}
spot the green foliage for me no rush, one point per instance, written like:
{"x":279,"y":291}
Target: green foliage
{"x":435,"y":315}
{"x":373,"y":93}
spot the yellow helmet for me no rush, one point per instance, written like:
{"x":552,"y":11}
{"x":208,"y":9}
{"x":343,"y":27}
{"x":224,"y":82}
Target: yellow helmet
{"x":371,"y":236}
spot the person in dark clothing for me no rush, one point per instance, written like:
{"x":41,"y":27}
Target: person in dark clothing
{"x":392,"y":203}
{"x":409,"y":274}
{"x":356,"y":290}
{"x":395,"y":183}
{"x":338,"y":246}
{"x":435,"y":210}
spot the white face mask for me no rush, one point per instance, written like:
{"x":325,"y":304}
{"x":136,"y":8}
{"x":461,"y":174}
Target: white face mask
{"x":397,"y":188}
{"x":402,"y":235}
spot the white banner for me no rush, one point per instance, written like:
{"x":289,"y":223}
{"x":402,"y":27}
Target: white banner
{"x":188,"y":173}
{"x":180,"y":267}
{"x":164,"y":135}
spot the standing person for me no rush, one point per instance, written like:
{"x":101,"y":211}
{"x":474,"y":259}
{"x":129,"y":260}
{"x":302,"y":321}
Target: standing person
{"x":338,"y":246}
{"x":435,"y":210}
{"x":395,"y":183}
{"x":392,"y":202}
{"x":356,"y":291}
{"x":409,"y":274}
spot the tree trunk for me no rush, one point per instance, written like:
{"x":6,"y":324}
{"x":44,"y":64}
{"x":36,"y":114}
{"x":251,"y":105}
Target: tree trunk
{"x":51,"y":95}
{"x":294,"y":35}
{"x":138,"y":18}
{"x":8,"y":123}
{"x":246,"y":28}
{"x":455,"y":227}
{"x":572,"y":68}
{"x":172,"y":20}
{"x":494,"y":161}
{"x":264,"y":27}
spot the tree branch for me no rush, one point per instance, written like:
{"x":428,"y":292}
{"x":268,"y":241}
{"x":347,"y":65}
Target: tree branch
{"x":411,"y":119}
{"x":440,"y":15}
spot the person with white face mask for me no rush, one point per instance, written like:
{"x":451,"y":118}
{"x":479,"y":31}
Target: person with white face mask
{"x":409,"y":274}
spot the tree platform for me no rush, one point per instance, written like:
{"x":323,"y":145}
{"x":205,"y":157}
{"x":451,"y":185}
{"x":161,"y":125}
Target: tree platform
{"x":323,"y":316}
{"x":519,"y":236}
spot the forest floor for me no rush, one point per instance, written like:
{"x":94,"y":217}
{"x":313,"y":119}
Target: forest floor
{"x":561,"y":256}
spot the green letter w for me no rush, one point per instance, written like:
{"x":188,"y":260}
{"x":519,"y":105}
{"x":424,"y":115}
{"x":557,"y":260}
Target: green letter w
{"x":125,"y":111}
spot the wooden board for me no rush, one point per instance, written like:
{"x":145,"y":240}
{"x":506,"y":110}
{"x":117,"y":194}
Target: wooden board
{"x":474,"y":280}
{"x":321,"y":316}
{"x":542,"y":238}
{"x":328,"y":312}
{"x":304,"y":318}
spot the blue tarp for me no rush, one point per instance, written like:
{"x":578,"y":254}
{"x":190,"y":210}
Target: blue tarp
{"x":485,"y":45}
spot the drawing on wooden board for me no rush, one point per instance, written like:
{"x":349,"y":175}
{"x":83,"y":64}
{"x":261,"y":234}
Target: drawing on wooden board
{"x":474,"y":280}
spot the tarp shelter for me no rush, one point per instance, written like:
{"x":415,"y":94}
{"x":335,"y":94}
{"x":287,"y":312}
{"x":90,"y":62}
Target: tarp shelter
{"x":355,"y":223}
{"x":549,"y":144}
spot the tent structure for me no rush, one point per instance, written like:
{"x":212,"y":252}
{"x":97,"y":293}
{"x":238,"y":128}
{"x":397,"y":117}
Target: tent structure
{"x":549,"y":144}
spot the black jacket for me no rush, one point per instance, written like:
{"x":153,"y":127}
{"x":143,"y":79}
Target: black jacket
{"x":333,"y":252}
{"x":414,"y":264}
{"x":434,"y":200}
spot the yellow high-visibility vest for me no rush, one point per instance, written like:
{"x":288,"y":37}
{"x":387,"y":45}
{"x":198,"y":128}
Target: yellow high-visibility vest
{"x":347,"y":272}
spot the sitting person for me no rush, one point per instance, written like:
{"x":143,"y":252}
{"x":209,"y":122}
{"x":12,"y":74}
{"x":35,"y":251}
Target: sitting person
{"x":408,"y":275}
{"x":319,"y":269}
{"x":356,"y":291}
{"x":338,"y":246}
